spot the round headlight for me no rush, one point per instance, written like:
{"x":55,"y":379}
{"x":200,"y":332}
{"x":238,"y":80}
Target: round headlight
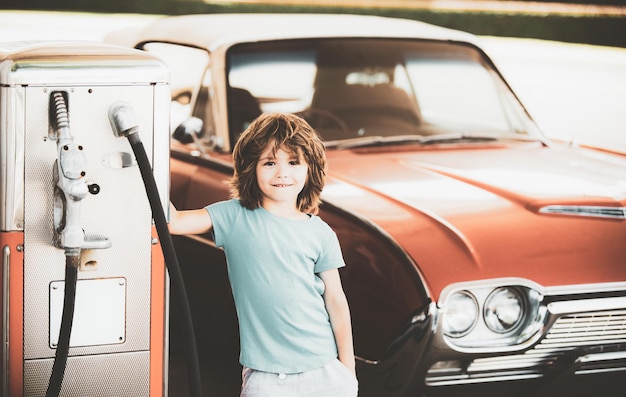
{"x":504,"y":310}
{"x":460,"y":315}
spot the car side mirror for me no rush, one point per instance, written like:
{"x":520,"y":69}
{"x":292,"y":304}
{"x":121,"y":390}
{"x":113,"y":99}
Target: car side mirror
{"x":189,"y":130}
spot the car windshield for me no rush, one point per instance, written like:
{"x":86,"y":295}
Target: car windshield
{"x":358,"y":88}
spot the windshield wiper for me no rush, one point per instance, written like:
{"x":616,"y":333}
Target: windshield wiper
{"x":456,"y":137}
{"x":377,"y":140}
{"x":373,"y":140}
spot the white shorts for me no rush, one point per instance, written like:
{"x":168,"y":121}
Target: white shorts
{"x":332,"y":380}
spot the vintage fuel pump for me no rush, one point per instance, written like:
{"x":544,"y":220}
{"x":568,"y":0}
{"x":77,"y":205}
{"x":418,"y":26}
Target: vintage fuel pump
{"x":75,"y":221}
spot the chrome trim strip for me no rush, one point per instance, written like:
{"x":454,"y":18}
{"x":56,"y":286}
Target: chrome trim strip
{"x":601,"y":363}
{"x":32,"y":64}
{"x":596,"y":357}
{"x":12,"y":113}
{"x":453,"y":381}
{"x":599,"y":371}
{"x":587,"y":305}
{"x":6,"y":260}
{"x":585,"y":210}
{"x":488,"y":283}
{"x":584,"y":288}
{"x":517,"y":281}
{"x":161,"y":142}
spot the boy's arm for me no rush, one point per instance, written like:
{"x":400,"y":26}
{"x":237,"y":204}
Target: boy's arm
{"x":339,"y":313}
{"x":189,"y":221}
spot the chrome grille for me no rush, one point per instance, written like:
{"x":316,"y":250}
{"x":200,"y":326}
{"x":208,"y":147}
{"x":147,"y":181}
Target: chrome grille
{"x":587,"y":329}
{"x":594,"y":332}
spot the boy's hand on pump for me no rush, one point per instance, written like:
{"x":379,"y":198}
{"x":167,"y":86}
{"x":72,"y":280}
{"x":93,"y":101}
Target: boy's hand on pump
{"x":196,"y":221}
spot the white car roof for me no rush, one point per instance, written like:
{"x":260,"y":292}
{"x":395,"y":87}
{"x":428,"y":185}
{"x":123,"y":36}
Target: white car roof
{"x":211,"y":31}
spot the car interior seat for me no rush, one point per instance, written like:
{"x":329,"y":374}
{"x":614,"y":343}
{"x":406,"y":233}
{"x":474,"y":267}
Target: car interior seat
{"x":380,"y":109}
{"x":243,"y":107}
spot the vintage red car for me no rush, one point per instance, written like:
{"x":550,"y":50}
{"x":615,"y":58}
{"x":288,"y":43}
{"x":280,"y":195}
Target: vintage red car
{"x":481,"y":256}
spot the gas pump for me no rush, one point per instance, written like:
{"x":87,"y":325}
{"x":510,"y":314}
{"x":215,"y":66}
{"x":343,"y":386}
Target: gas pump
{"x":84,"y":285}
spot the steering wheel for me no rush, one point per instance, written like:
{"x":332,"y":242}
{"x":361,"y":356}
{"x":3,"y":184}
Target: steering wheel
{"x":322,"y":119}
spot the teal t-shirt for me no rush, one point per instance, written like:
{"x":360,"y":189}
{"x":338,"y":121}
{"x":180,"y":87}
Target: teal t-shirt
{"x":273,"y":267}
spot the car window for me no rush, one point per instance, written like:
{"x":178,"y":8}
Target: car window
{"x":350,"y":88}
{"x":455,"y":91}
{"x":296,"y":69}
{"x":187,"y":67}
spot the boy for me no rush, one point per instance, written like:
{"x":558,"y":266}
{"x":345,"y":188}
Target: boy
{"x":283,"y":260}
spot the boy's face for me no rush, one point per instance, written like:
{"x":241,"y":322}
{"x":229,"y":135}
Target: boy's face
{"x":281,"y":176}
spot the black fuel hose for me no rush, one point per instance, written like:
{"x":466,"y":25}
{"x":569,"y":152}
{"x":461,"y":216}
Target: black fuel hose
{"x":60,"y":120}
{"x":171,"y":260}
{"x":63,"y":345}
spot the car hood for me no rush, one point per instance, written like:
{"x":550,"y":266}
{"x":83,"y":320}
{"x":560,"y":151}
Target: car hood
{"x":477,"y":214}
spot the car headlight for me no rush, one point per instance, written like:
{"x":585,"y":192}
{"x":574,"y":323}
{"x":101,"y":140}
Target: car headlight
{"x":504,"y":310}
{"x":501,"y":314}
{"x":460,"y":315}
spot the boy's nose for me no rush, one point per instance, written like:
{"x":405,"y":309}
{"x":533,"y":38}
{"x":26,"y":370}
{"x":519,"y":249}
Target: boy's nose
{"x":281,"y":172}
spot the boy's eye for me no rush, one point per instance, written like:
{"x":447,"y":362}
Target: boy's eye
{"x":269,"y":163}
{"x":294,"y":162}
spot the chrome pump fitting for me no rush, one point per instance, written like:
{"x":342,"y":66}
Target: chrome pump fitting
{"x":122,"y":119}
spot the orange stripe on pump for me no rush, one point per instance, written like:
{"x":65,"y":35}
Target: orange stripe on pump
{"x":157,"y":320}
{"x":15,"y":370}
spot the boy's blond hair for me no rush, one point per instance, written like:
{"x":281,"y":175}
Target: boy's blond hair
{"x":290,"y":133}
